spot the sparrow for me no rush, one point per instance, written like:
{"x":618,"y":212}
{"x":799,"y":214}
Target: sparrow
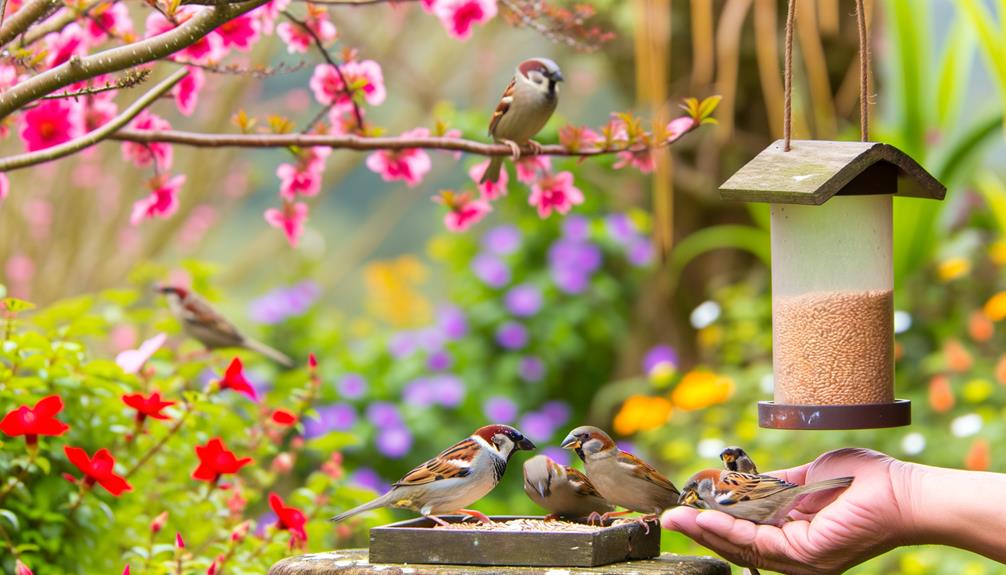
{"x":736,"y":459}
{"x":461,"y":475}
{"x":620,"y":477}
{"x":562,"y":490}
{"x":203,"y":323}
{"x":524,"y":109}
{"x":760,"y":499}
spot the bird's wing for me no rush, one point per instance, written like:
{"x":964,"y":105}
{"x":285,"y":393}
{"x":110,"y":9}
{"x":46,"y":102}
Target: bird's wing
{"x":580,"y":483}
{"x":738,"y":486}
{"x":503,"y":106}
{"x":644,"y":470}
{"x":198,"y":312}
{"x":453,"y":462}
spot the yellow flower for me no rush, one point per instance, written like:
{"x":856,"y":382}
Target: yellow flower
{"x":995,"y":308}
{"x":700,"y":389}
{"x":953,"y":268}
{"x":710,"y":336}
{"x":392,"y":294}
{"x":977,"y":390}
{"x":642,"y":413}
{"x":997,"y":252}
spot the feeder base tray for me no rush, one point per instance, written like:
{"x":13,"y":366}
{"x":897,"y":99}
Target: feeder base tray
{"x":773,"y":415}
{"x":355,"y":562}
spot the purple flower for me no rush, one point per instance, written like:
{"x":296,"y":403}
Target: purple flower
{"x":570,"y":280}
{"x":334,"y":417}
{"x":439,"y":361}
{"x":402,"y":344}
{"x":557,"y":454}
{"x":452,"y":323}
{"x":557,"y":411}
{"x":418,"y":392}
{"x":263,"y":523}
{"x":369,"y":479}
{"x":581,"y":255}
{"x":660,"y":356}
{"x":502,"y":240}
{"x":491,"y":270}
{"x":511,"y":335}
{"x":384,"y":414}
{"x":499,"y":409}
{"x":351,"y":385}
{"x":576,"y":227}
{"x":523,"y":301}
{"x":626,"y":446}
{"x":448,"y":390}
{"x":537,"y":426}
{"x":531,"y":369}
{"x":282,"y":303}
{"x":620,"y":228}
{"x":394,"y":442}
{"x":640,"y":252}
{"x":430,"y":339}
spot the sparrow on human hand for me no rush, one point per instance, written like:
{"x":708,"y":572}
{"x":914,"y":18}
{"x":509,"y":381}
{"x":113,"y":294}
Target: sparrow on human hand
{"x":461,"y":475}
{"x":562,"y":490}
{"x":736,"y":459}
{"x":203,"y":323}
{"x":524,"y":109}
{"x":620,"y":477}
{"x":762,"y":499}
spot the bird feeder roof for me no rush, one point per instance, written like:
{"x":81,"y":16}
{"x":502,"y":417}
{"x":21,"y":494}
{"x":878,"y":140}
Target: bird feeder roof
{"x":813,"y":171}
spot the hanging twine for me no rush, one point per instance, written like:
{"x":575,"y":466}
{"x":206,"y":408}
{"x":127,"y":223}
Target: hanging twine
{"x":787,"y":106}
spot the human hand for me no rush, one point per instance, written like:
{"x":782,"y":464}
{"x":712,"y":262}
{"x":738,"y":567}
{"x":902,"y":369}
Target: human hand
{"x":829,"y":535}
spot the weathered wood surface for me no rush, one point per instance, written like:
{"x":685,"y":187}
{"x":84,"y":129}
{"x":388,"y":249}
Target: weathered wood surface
{"x":354,"y":562}
{"x":414,"y":541}
{"x":813,"y":171}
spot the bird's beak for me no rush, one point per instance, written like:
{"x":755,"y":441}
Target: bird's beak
{"x":557,"y":76}
{"x":727,"y":457}
{"x":570,"y":443}
{"x":525,"y":444}
{"x":687,"y":498}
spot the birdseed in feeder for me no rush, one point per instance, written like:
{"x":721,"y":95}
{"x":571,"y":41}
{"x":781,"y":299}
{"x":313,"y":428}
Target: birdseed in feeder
{"x":523,"y":525}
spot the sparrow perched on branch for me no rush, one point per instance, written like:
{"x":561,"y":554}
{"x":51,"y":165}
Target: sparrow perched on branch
{"x":524,"y":109}
{"x":621,"y":478}
{"x":203,"y":323}
{"x":757,"y":498}
{"x":562,"y":490}
{"x":736,"y":459}
{"x":461,"y":475}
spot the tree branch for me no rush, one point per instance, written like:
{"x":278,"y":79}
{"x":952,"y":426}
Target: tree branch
{"x":120,"y":58}
{"x":19,"y":161}
{"x":30,"y":13}
{"x":352,"y":142}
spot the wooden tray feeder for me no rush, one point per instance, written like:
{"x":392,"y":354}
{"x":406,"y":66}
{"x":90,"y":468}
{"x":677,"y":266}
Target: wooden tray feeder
{"x":832,"y":278}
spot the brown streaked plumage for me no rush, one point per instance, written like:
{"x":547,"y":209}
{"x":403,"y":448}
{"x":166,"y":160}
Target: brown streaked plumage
{"x":562,"y":490}
{"x":736,"y":459}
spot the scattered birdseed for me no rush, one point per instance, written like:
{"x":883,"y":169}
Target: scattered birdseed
{"x":834,"y":348}
{"x":522,"y":525}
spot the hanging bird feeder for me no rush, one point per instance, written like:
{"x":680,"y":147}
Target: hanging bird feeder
{"x":832,"y":278}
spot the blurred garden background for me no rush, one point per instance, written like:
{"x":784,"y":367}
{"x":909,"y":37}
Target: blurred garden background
{"x":645,"y":310}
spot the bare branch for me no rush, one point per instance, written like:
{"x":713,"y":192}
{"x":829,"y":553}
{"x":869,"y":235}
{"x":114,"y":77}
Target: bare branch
{"x":352,"y":3}
{"x":29,"y":13}
{"x":116,"y":59}
{"x":19,"y":161}
{"x":57,"y":23}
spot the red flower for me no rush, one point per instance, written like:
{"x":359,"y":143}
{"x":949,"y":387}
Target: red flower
{"x":32,"y":422}
{"x":215,"y":460}
{"x":21,"y":569}
{"x":284,"y":417}
{"x":289,"y":518}
{"x":100,"y":469}
{"x":147,"y":406}
{"x":234,"y":378}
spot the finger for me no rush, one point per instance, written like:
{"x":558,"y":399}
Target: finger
{"x":764,"y":545}
{"x":796,"y":475}
{"x":683,"y":519}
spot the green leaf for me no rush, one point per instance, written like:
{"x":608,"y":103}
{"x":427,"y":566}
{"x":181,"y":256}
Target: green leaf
{"x":956,"y":161}
{"x":11,"y":518}
{"x":335,"y":441}
{"x":993,"y":191}
{"x":43,"y":464}
{"x":954,"y":72}
{"x":746,"y":238}
{"x":16,"y":305}
{"x":908,"y":23}
{"x":708,"y":106}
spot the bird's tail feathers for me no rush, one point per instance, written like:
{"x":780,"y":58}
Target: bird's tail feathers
{"x":381,"y":501}
{"x":827,"y":484}
{"x":492,"y":173}
{"x":273,"y":354}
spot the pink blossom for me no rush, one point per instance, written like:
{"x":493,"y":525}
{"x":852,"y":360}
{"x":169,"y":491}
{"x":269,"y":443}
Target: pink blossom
{"x":429,"y":5}
{"x":296,"y":38}
{"x":409,"y":165}
{"x":300,"y":178}
{"x":132,"y":360}
{"x":207,"y":49}
{"x":99,"y":111}
{"x":143,"y":155}
{"x":269,"y":12}
{"x":458,"y":16}
{"x":365,"y":75}
{"x":555,"y":192}
{"x":186,"y":92}
{"x":463,"y":211}
{"x":161,"y":202}
{"x":529,"y":166}
{"x":290,"y":219}
{"x":239,"y":33}
{"x":4,"y":186}
{"x":342,"y":121}
{"x":490,"y":190}
{"x":8,"y":76}
{"x":50,"y":123}
{"x":109,"y":18}
{"x":62,"y":45}
{"x":642,"y":160}
{"x":679,"y":127}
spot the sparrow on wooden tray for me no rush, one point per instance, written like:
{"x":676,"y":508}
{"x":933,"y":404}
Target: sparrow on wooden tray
{"x":736,"y":459}
{"x":461,"y":475}
{"x":620,"y":477}
{"x":524,"y":109}
{"x":757,"y":498}
{"x":562,"y":490}
{"x":201,"y":322}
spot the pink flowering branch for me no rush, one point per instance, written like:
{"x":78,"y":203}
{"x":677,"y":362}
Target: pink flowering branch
{"x":28,"y":159}
{"x":77,"y":69}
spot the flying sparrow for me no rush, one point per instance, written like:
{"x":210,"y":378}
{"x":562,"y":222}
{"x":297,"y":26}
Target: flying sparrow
{"x":524,"y":109}
{"x":203,"y":323}
{"x":621,"y":478}
{"x":757,"y":498}
{"x":736,"y":459}
{"x":564,"y":491}
{"x":461,"y":475}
